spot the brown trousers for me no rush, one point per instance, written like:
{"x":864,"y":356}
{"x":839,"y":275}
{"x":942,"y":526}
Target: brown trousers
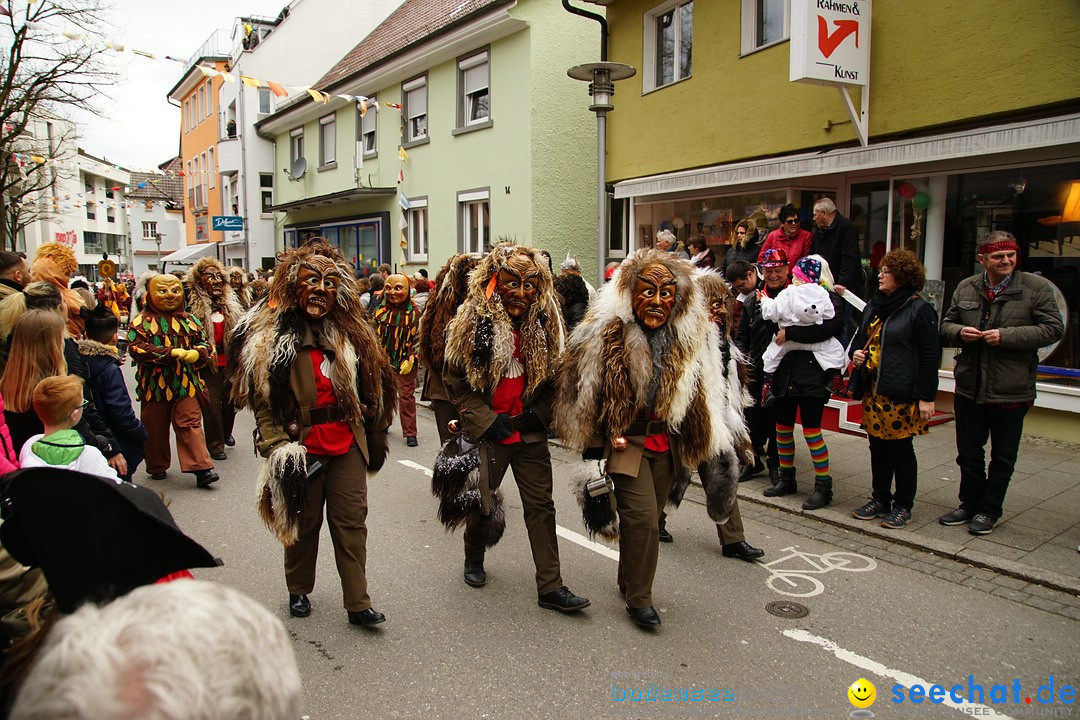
{"x":186,"y":419}
{"x":342,"y":488}
{"x":531,"y":464}
{"x":406,"y":387}
{"x":219,"y":414}
{"x":639,"y":499}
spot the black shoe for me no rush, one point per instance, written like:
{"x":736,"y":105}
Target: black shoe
{"x":821,"y":496}
{"x":562,"y":600}
{"x":645,"y":617}
{"x":204,"y":478}
{"x":751,"y":470}
{"x":742,"y":550}
{"x":230,"y":441}
{"x":299,"y":605}
{"x":411,"y":441}
{"x":219,"y":456}
{"x":960,"y":516}
{"x":367,"y":618}
{"x":474,"y":573}
{"x":774,"y":475}
{"x":871,"y":510}
{"x":769,"y":400}
{"x":665,"y":536}
{"x":784,"y":485}
{"x":982,"y":524}
{"x":157,"y":475}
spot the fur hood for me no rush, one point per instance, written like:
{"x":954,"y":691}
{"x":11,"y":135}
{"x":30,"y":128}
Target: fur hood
{"x":480,"y":338}
{"x":198,"y":301}
{"x":604,"y":378}
{"x":93,"y":348}
{"x":447,"y":294}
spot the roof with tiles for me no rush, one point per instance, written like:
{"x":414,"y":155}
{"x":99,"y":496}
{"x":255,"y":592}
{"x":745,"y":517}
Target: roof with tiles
{"x":411,"y":24}
{"x":168,"y":187}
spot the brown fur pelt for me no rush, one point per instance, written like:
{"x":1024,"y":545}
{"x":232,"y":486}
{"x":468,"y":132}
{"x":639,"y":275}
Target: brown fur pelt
{"x":598,"y":513}
{"x":479,"y":339}
{"x":199,"y":303}
{"x":265,"y":341}
{"x":464,"y":509}
{"x":447,"y":294}
{"x":282,"y":491}
{"x":604,"y":377}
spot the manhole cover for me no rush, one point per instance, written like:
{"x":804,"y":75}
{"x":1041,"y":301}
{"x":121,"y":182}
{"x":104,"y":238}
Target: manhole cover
{"x":787,"y":609}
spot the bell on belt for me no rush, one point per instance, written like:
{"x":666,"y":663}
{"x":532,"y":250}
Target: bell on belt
{"x":293,"y":430}
{"x":599,"y":486}
{"x":453,"y":426}
{"x":618,"y":443}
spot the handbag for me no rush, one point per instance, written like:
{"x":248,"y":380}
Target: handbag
{"x":858,"y":379}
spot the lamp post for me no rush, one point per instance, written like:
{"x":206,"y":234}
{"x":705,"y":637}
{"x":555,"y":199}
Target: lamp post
{"x":157,"y":239}
{"x":601,"y":77}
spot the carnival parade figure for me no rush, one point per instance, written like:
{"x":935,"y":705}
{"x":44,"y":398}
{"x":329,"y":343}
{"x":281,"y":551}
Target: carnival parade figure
{"x":211,"y":299}
{"x":168,"y":346}
{"x":642,"y":385}
{"x":312,"y":370}
{"x":447,"y":295}
{"x":500,"y":356}
{"x":238,"y":281}
{"x":395,"y":322}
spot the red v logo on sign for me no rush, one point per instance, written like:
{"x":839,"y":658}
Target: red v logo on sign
{"x":828,"y":43}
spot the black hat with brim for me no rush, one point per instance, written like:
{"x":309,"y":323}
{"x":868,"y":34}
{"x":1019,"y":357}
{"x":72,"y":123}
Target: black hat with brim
{"x":95,"y":539}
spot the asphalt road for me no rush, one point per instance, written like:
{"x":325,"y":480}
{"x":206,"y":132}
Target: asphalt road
{"x":451,"y":651}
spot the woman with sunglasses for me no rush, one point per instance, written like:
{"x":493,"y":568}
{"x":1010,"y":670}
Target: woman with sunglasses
{"x":789,"y":237}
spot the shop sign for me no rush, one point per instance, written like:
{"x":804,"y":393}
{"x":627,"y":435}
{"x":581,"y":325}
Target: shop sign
{"x":68,"y":238}
{"x":830,"y":42}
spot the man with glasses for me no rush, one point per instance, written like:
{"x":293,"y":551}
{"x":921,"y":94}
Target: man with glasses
{"x":789,"y":237}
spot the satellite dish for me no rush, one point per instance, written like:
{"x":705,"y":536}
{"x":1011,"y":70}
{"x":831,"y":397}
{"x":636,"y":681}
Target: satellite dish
{"x":299,"y":167}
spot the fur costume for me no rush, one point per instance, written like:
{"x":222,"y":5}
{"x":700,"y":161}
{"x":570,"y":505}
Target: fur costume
{"x":449,"y":291}
{"x":55,"y":263}
{"x":262,"y":348}
{"x":199,"y":303}
{"x":244,"y":295}
{"x":604,"y":378}
{"x":480,"y":337}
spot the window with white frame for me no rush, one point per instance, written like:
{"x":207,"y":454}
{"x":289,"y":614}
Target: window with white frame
{"x":474,"y":106}
{"x":327,"y":140}
{"x":149,"y":230}
{"x":474,"y":207}
{"x":417,"y":231}
{"x":264,"y":101}
{"x":668,"y":43}
{"x":110,"y":214}
{"x":211,"y":168}
{"x":366,"y":127}
{"x":764,"y":22}
{"x":200,"y":105}
{"x":209,"y":109}
{"x":266,"y":188}
{"x":414,"y":106}
{"x":296,"y":144}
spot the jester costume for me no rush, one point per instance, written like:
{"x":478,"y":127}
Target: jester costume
{"x":395,"y":323}
{"x":168,"y":346}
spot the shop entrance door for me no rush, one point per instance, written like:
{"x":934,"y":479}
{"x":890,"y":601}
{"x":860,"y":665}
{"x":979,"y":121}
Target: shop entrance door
{"x":869,"y":212}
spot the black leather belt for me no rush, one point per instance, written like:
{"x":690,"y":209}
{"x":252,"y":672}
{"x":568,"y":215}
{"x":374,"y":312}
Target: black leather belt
{"x":646,"y":428}
{"x":321,"y":415}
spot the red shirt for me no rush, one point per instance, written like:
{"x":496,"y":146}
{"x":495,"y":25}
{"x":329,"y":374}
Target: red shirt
{"x":659,"y":442}
{"x":219,"y":342}
{"x":329,"y":438}
{"x":507,"y":395}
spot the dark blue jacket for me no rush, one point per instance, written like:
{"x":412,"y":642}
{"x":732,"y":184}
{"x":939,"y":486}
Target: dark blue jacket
{"x":113,"y":401}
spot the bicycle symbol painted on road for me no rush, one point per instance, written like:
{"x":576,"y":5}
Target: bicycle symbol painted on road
{"x":800,"y":581}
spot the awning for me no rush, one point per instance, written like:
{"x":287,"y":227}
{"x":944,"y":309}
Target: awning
{"x":191,"y":253}
{"x":336,"y":198}
{"x":1026,"y":136}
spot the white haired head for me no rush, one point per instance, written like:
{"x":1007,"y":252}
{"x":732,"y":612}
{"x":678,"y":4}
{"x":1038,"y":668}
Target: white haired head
{"x":181,"y":650}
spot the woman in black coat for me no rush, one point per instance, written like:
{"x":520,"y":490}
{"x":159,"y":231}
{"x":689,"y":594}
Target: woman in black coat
{"x":897,"y":381}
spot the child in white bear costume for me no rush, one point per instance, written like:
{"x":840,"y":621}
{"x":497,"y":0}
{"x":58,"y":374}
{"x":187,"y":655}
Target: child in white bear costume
{"x":804,"y":302}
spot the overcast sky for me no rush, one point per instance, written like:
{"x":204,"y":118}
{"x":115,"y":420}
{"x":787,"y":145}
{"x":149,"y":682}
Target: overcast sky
{"x":140,"y":128}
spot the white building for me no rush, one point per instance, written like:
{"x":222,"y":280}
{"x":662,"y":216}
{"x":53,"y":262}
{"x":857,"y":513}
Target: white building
{"x":155,"y":203}
{"x":270,"y":51}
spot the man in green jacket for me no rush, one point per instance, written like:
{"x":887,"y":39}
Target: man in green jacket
{"x":999,"y":318}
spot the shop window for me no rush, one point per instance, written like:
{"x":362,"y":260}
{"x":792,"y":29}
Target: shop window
{"x":764,"y":23}
{"x":668,"y":42}
{"x":414,"y":107}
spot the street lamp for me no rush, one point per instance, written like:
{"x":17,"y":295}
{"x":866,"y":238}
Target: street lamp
{"x":157,"y":239}
{"x":601,"y":77}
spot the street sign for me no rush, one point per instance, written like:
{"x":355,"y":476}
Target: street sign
{"x":226,"y":222}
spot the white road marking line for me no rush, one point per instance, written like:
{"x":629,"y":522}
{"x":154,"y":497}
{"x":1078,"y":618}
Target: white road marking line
{"x":562,"y":532}
{"x":906,"y":679}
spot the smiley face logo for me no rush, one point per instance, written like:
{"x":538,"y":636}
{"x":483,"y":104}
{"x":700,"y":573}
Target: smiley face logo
{"x":862,"y":693}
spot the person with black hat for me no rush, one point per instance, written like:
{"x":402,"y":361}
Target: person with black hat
{"x":999,"y":318}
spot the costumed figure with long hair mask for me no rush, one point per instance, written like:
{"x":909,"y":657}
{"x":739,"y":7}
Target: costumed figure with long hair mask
{"x":643,"y":386}
{"x":451,"y":286}
{"x":500,"y":356}
{"x":168,"y":347}
{"x":311,"y":369}
{"x":211,"y":299}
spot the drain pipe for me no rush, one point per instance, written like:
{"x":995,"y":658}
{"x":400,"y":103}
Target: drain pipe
{"x":592,"y":16}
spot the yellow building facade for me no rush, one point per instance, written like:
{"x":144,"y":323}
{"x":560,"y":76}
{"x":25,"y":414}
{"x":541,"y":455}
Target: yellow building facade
{"x":972,"y":104}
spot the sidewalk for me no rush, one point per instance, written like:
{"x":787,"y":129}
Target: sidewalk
{"x":1036,"y":539}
